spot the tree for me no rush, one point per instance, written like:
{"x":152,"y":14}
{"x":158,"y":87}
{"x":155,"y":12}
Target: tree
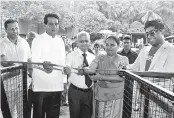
{"x":92,"y":21}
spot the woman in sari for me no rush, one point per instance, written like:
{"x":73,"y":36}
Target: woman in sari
{"x":109,"y":87}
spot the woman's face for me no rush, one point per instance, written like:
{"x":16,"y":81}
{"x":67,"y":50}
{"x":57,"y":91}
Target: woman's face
{"x":111,"y":47}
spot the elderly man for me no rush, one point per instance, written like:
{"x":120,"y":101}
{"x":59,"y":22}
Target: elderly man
{"x":80,"y":90}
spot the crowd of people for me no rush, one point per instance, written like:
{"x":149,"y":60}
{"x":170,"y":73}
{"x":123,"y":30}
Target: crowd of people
{"x":87,"y":77}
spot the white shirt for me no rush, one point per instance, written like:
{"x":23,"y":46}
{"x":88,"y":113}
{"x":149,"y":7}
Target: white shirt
{"x":46,"y":48}
{"x":75,"y":60}
{"x":15,"y":52}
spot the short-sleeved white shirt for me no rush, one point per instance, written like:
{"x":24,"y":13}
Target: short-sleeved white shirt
{"x":15,"y":52}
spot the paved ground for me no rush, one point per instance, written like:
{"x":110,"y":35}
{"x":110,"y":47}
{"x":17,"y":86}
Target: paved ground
{"x":64,"y":112}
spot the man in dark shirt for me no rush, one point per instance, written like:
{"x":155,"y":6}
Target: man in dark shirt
{"x":126,"y":51}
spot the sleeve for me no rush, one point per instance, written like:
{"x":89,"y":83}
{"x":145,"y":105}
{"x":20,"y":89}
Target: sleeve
{"x":94,"y":63}
{"x":28,"y":50}
{"x":63,"y":54}
{"x":126,"y":61}
{"x":136,"y":65}
{"x":36,"y":50}
{"x":168,"y":66}
{"x":2,"y":50}
{"x":68,"y":60}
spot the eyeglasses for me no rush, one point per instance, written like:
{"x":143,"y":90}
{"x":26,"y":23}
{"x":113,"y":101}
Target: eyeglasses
{"x":83,"y":41}
{"x":151,"y":33}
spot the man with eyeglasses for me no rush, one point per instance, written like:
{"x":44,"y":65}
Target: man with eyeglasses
{"x":80,"y":90}
{"x":158,"y":57}
{"x":48,"y":48}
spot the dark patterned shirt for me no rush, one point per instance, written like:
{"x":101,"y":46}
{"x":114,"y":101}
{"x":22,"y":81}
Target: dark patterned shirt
{"x":132,"y":55}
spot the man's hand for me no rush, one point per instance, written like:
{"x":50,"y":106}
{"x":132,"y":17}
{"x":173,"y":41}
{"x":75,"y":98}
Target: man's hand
{"x":5,"y":64}
{"x":67,"y":70}
{"x":81,"y":71}
{"x":48,"y":68}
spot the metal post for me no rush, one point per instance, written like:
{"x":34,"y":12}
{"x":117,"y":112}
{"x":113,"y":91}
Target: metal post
{"x":127,"y":98}
{"x":4,"y":103}
{"x":25,"y":97}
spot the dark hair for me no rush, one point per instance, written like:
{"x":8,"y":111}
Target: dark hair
{"x":127,"y":37}
{"x":9,"y":21}
{"x":157,"y":24}
{"x":96,"y":45}
{"x":117,"y":40}
{"x":50,"y":15}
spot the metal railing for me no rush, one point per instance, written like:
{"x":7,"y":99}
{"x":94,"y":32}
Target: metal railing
{"x":14,"y":91}
{"x":152,"y":93}
{"x":148,"y":96}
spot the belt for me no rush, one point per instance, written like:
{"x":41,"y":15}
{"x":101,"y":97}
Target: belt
{"x":80,"y":89}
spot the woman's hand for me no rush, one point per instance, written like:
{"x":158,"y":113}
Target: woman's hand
{"x":95,"y":77}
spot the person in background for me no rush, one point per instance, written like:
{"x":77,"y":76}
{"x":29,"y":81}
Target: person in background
{"x":14,"y":48}
{"x":66,"y":84}
{"x":80,"y":90}
{"x":74,"y":46}
{"x":48,"y":48}
{"x":30,"y":37}
{"x":96,"y":49}
{"x":126,"y":51}
{"x":31,"y":96}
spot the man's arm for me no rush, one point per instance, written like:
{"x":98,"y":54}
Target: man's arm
{"x":5,"y":64}
{"x":136,"y":65}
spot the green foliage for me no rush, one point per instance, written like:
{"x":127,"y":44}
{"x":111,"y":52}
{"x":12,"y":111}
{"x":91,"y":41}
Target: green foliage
{"x":92,"y":21}
{"x":89,"y":15}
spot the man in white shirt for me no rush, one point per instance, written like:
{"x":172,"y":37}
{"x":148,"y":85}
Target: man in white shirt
{"x":158,"y":57}
{"x":80,"y":89}
{"x":48,"y":48}
{"x":14,"y":48}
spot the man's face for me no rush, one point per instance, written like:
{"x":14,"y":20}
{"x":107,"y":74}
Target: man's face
{"x":96,"y":48}
{"x":83,"y":43}
{"x":30,"y":39}
{"x":52,"y":26}
{"x":127,"y":44}
{"x":12,"y":30}
{"x":154,"y":36}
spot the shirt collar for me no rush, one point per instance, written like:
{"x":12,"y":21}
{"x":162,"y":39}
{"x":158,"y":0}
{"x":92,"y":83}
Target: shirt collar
{"x":166,"y":44}
{"x":81,"y":52}
{"x":18,"y":39}
{"x":48,"y":36}
{"x":125,"y":52}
